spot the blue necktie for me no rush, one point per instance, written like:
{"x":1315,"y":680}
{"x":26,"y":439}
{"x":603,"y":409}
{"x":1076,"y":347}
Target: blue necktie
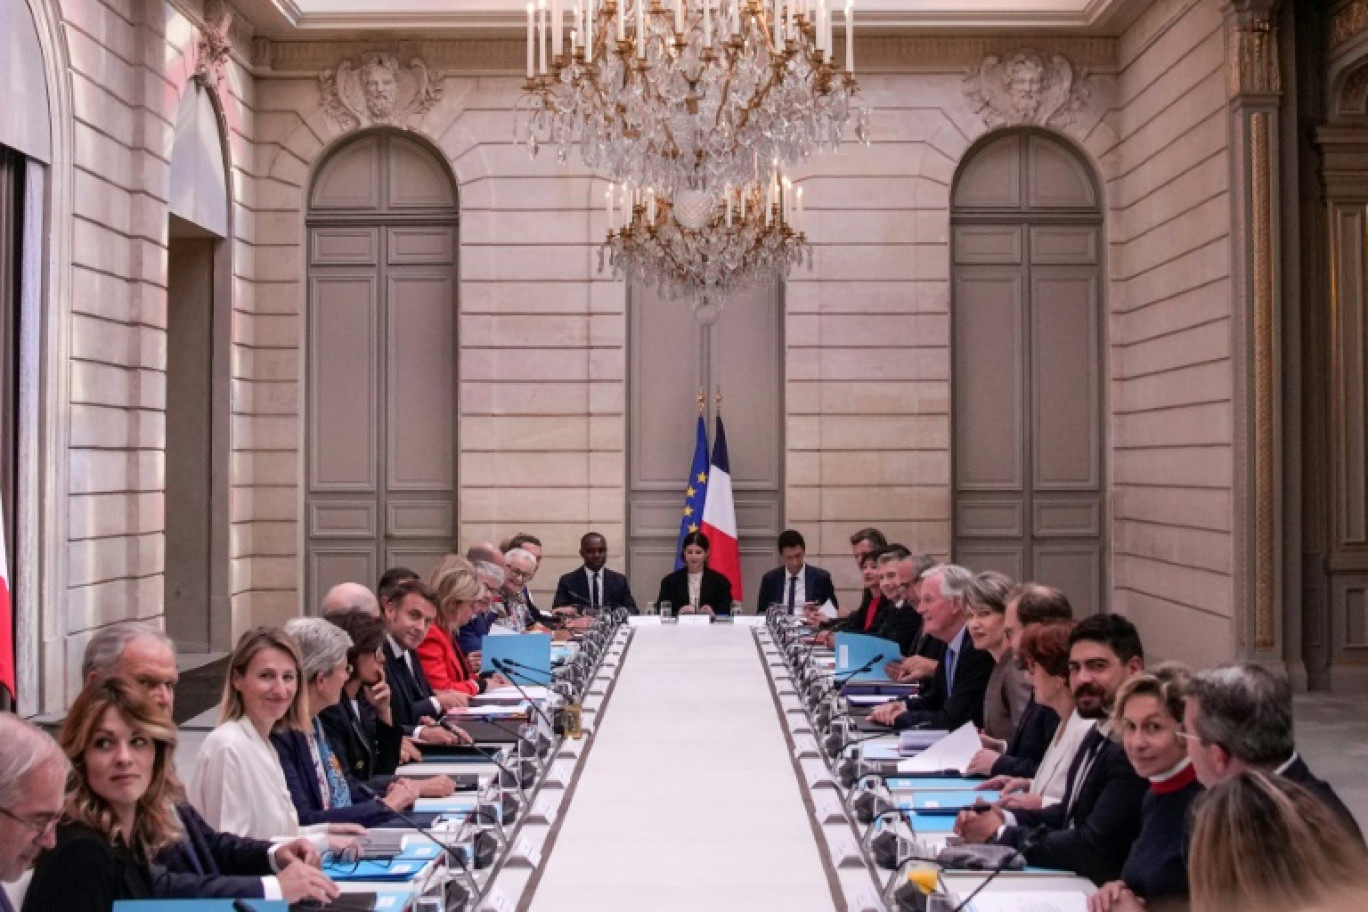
{"x":950,"y":656}
{"x":793,"y":592}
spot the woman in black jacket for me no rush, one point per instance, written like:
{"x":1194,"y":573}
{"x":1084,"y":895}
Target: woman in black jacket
{"x":695,"y":589}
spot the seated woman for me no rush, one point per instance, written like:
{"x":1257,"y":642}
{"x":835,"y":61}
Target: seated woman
{"x":460,"y":596}
{"x":1045,"y":653}
{"x":985,"y":601}
{"x":870,"y":614}
{"x":1149,"y":714}
{"x":1263,"y":843}
{"x":694,"y":588}
{"x":320,"y":787}
{"x":121,"y":811}
{"x":238,"y":783}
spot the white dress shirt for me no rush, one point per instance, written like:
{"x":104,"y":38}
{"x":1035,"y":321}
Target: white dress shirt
{"x":239,"y":785}
{"x":1052,"y":776}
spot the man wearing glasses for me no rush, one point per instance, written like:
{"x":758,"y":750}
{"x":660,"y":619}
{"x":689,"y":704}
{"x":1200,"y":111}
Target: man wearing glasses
{"x":33,"y":774}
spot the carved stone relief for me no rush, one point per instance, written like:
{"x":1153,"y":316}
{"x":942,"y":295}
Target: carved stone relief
{"x":214,"y":43}
{"x":1252,"y":50}
{"x":378,"y":89}
{"x":1027,"y":88}
{"x":1349,"y":22}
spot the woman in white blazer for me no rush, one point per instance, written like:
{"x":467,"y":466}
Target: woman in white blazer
{"x":237,"y":783}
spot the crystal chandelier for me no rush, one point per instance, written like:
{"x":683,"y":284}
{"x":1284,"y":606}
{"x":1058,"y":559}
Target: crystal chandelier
{"x":687,"y":94}
{"x":698,"y":245}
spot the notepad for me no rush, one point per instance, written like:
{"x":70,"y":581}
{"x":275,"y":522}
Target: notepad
{"x":953,"y":752}
{"x":931,"y":783}
{"x":1030,"y":901}
{"x":929,"y":823}
{"x":525,"y":659}
{"x":855,"y":651}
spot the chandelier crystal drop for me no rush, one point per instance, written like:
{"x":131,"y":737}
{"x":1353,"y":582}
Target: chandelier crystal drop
{"x":687,"y":94}
{"x":699,"y":245}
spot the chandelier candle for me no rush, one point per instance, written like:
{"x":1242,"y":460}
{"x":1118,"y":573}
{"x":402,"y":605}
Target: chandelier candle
{"x":691,"y":92}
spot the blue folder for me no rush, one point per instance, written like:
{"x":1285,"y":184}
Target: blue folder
{"x":379,"y":869}
{"x":528,"y":656}
{"x":855,"y":650}
{"x":198,"y":905}
{"x":930,"y":823}
{"x":932,"y":784}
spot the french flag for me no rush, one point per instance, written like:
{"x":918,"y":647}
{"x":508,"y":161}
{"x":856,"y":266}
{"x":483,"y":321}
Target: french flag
{"x":719,"y":516}
{"x":6,"y":619}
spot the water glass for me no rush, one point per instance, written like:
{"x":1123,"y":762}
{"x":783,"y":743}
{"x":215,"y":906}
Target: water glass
{"x":666,"y":609}
{"x":942,"y":902}
{"x":651,"y":608}
{"x":429,"y":904}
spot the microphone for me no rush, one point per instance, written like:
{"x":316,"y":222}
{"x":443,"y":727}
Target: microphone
{"x":1029,"y":842}
{"x":517,"y":780}
{"x":484,"y":849}
{"x":503,"y":666}
{"x":846,"y":679}
{"x":526,"y":669}
{"x":540,"y":747}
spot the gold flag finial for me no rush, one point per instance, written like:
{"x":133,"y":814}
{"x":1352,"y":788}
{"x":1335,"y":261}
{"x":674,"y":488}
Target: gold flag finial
{"x":702,"y":401}
{"x":717,"y":398}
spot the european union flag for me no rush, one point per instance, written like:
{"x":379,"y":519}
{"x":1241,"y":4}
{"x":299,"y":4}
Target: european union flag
{"x":695,"y":492}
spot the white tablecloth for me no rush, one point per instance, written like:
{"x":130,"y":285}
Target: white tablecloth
{"x":688,"y":799}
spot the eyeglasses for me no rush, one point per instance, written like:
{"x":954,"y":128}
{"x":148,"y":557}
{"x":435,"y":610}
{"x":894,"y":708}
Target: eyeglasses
{"x":40,"y":830}
{"x":1188,"y":736}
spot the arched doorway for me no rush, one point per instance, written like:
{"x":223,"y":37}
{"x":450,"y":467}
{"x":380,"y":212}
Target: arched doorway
{"x":381,"y":446}
{"x":1027,"y":382}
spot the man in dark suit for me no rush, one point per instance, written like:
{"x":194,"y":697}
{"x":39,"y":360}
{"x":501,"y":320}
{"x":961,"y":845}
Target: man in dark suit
{"x":796,"y":583}
{"x":1239,"y":717}
{"x":409,"y":610}
{"x":593,"y":585}
{"x":1020,"y":757}
{"x":1090,"y":832}
{"x":203,"y":862}
{"x":961,"y":678}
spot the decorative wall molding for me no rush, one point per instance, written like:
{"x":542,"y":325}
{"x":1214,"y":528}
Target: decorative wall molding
{"x":1266,"y":449}
{"x":1252,"y":51}
{"x":1349,"y":23}
{"x":497,"y":55}
{"x":378,"y":89}
{"x":214,"y":43}
{"x":1027,"y":87}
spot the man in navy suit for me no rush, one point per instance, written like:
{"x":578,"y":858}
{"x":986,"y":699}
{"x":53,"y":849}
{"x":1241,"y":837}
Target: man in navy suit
{"x":797,"y":583}
{"x":593,"y":585}
{"x":961,"y":678}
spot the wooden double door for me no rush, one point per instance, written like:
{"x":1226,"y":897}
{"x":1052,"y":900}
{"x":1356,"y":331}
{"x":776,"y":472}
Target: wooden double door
{"x":381,"y":450}
{"x":1027,"y":384}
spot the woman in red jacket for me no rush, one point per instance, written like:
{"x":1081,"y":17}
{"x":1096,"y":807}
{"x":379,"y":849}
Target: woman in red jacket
{"x":460,"y":596}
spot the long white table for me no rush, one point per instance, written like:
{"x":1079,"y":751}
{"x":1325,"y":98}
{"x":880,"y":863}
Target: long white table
{"x":688,"y":799}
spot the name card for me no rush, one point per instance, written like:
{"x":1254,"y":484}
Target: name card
{"x":542,"y":811}
{"x":497,"y":901}
{"x":524,"y":854}
{"x":644,"y":620}
{"x":827,"y":808}
{"x":845,"y":852}
{"x":748,"y":620}
{"x":805,"y":746}
{"x":694,"y":620}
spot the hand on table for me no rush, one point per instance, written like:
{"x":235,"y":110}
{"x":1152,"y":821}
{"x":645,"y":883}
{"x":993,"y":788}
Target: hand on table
{"x":452,"y":699}
{"x":436,"y":734}
{"x":409,"y":752}
{"x":1022,"y":801}
{"x":888,"y":713}
{"x":982,"y":763}
{"x":1115,"y":897}
{"x":979,"y":826}
{"x":400,"y":795}
{"x":914,"y":668}
{"x":299,"y":882}
{"x":435,"y":787}
{"x":1005,"y":784}
{"x":297,"y":850}
{"x":498,"y":680}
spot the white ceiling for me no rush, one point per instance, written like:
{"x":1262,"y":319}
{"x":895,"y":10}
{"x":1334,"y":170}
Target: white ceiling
{"x":1090,"y":16}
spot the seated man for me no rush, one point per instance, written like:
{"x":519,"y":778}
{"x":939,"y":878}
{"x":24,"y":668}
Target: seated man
{"x":1091,"y":831}
{"x":920,"y":658}
{"x":204,"y":862}
{"x":408,"y":610}
{"x":593,"y":585}
{"x":961,"y":679}
{"x":797,"y":583}
{"x":1028,"y":605}
{"x":345,"y":596}
{"x":1239,"y":717}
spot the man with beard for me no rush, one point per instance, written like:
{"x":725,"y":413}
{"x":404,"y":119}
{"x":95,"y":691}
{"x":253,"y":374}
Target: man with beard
{"x":1091,"y":831}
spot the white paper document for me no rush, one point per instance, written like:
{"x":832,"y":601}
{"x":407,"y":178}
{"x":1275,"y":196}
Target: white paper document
{"x":533,"y":692}
{"x":828,"y":609}
{"x":1029,"y":901}
{"x":953,"y":752}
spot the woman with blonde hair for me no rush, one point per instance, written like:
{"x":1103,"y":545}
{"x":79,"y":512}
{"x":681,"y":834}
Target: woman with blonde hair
{"x":1148,"y":712}
{"x":1009,"y":690}
{"x":121,"y":806}
{"x":1262,"y":842}
{"x":460,"y":596}
{"x":238,"y":783}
